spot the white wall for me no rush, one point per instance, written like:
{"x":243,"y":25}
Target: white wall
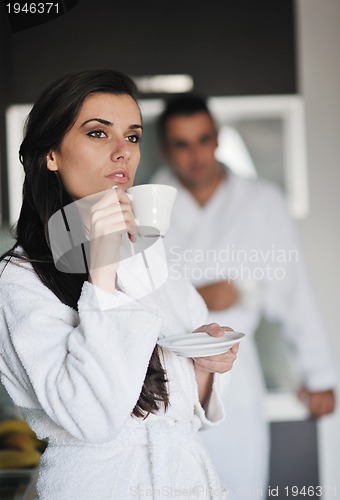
{"x":318,"y":30}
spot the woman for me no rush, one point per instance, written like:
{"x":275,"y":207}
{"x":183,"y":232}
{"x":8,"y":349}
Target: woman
{"x":79,"y":353}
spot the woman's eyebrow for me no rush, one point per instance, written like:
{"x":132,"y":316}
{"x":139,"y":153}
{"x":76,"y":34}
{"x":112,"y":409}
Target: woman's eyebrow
{"x":136,"y":125}
{"x":100,"y":120}
{"x":106,"y":122}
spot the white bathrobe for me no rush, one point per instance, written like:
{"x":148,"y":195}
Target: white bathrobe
{"x":77,"y":377}
{"x":244,"y":234}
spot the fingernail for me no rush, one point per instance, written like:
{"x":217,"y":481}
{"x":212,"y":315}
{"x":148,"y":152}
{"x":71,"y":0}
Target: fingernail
{"x":130,"y":196}
{"x":114,"y":187}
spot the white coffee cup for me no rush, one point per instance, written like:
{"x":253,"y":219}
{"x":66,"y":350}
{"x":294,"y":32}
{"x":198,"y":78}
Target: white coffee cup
{"x":152,"y":206}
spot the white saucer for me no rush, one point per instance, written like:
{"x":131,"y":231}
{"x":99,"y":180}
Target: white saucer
{"x":199,"y":344}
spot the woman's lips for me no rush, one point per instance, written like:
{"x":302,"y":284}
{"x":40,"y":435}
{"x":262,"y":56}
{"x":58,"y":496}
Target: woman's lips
{"x":119,"y":177}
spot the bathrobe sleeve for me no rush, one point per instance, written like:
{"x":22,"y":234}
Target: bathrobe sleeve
{"x":214,"y":413}
{"x":86,"y":370}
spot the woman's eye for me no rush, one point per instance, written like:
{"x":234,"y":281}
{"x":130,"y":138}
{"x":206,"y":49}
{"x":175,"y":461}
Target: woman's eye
{"x":97,"y":134}
{"x":133,"y":138}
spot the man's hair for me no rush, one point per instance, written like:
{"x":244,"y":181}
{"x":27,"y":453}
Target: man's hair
{"x":182,"y":105}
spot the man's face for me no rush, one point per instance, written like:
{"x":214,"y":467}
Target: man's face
{"x":190,"y":143}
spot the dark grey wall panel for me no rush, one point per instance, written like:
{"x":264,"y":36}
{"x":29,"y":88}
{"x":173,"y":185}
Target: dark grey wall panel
{"x":229,"y":47}
{"x":294,"y":460}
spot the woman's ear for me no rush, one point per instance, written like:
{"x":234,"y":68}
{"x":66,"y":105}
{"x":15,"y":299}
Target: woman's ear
{"x":51,"y":161}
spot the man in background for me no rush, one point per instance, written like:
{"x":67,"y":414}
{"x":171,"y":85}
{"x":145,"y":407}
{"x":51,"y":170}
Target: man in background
{"x":233,"y":238}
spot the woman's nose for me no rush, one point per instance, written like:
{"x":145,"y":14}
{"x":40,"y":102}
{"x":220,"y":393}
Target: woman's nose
{"x":121,"y":150}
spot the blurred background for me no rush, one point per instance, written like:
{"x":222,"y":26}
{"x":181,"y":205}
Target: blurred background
{"x":272,"y":73}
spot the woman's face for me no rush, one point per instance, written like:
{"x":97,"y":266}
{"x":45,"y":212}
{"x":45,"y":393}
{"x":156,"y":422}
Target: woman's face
{"x":101,"y":149}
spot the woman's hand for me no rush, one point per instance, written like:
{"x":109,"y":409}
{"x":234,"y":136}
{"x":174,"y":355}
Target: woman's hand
{"x":207,"y":365}
{"x":111,"y":216}
{"x":219,"y":363}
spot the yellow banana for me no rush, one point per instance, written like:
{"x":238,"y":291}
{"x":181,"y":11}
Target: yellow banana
{"x":14,"y":459}
{"x":15,"y":425}
{"x":18,"y":441}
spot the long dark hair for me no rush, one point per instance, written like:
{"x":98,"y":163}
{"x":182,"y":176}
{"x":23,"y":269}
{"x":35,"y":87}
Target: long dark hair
{"x":53,"y":114}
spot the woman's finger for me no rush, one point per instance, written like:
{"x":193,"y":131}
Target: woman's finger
{"x":220,"y":363}
{"x":113,"y":212}
{"x":212,"y":329}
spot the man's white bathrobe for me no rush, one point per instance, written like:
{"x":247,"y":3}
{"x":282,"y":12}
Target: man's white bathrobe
{"x":244,"y":234}
{"x":77,"y":377}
